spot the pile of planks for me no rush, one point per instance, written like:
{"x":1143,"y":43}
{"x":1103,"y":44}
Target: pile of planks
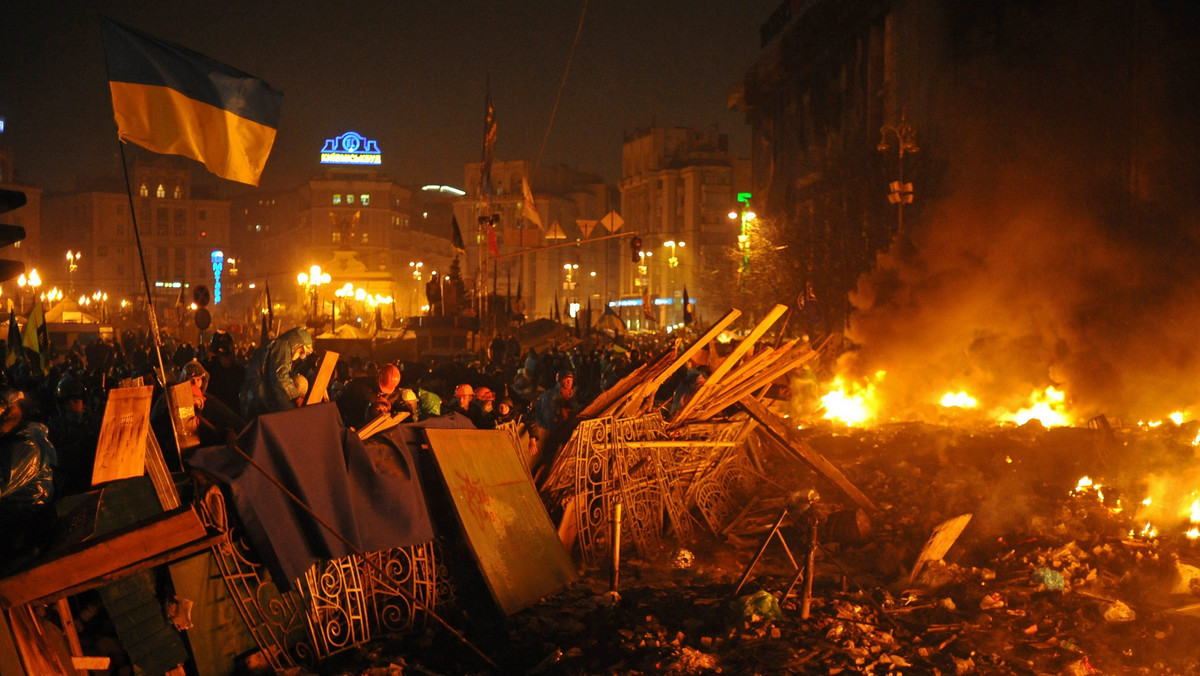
{"x":697,"y":466}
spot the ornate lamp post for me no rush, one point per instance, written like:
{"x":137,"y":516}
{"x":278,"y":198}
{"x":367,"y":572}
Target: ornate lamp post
{"x":746,"y":219}
{"x":72,"y":265}
{"x":900,"y":193}
{"x":312,"y":282}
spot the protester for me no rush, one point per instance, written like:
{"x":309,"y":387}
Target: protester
{"x":270,"y":383}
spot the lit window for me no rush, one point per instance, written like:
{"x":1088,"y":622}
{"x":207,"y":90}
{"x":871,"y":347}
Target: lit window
{"x":143,"y":191}
{"x":364,"y":238}
{"x":337,"y":199}
{"x":178,"y":192}
{"x":337,"y":237}
{"x":365,"y":199}
{"x":349,"y":199}
{"x":161,"y":192}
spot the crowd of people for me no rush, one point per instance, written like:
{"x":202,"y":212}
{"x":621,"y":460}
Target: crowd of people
{"x":51,"y":411}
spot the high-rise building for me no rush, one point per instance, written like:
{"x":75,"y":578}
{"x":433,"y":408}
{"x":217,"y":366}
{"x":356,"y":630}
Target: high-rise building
{"x":677,"y":187}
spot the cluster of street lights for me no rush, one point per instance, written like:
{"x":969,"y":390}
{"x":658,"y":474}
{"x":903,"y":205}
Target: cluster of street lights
{"x":312,"y":281}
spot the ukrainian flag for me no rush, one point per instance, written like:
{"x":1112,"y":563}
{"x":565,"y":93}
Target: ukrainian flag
{"x":171,"y":100}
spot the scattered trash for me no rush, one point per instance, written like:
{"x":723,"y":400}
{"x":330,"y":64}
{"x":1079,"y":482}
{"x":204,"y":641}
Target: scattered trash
{"x":683,"y":559}
{"x":757,"y":607}
{"x":1187,"y":579}
{"x":1118,"y":612}
{"x":992,"y":601}
{"x":1049,"y":579}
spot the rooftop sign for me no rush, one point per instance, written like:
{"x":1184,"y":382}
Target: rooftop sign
{"x":351,"y":148}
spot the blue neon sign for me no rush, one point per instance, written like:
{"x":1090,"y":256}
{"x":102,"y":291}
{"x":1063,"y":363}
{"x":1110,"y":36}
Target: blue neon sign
{"x":351,"y":148}
{"x":218,"y":264}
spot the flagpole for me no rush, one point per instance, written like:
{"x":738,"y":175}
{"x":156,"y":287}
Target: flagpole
{"x":154,"y":331}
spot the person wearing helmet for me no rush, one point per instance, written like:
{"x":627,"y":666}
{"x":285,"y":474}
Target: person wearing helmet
{"x":270,"y":384}
{"x":74,"y":432}
{"x":483,"y":408}
{"x":225,"y":373}
{"x":463,"y":395}
{"x":357,"y":401}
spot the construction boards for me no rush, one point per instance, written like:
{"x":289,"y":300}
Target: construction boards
{"x":503,"y":520}
{"x":121,"y":450}
{"x":320,"y":385}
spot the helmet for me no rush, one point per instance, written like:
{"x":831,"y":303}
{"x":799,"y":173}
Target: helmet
{"x":69,"y":387}
{"x":388,"y":378}
{"x":193,"y":369}
{"x":464,"y":390}
{"x":221,"y":343}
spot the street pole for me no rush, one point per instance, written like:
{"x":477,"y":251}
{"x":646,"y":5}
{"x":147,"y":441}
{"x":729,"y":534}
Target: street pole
{"x":900,"y":193}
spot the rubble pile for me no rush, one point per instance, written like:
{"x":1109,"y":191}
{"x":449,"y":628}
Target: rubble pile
{"x":1045,"y":579}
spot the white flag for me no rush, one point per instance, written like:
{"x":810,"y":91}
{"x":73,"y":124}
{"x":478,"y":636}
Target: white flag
{"x":528,"y":209}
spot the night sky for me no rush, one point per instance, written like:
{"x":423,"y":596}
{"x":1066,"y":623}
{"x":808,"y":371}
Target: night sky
{"x":410,"y":75}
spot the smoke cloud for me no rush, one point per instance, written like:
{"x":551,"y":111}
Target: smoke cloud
{"x":1059,"y":244}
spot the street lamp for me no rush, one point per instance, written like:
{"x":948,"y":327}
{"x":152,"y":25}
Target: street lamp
{"x":35,"y":282}
{"x":312,"y":281}
{"x":746,"y":218}
{"x":72,"y":264}
{"x":900,"y":193}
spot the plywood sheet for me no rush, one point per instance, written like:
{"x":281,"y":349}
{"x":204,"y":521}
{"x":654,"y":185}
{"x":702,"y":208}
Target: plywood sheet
{"x":503,"y":520}
{"x":316,"y":393}
{"x":121,"y":451}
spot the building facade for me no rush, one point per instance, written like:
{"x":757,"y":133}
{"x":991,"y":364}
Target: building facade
{"x":678,"y":187}
{"x":88,"y":243}
{"x":27,"y":251}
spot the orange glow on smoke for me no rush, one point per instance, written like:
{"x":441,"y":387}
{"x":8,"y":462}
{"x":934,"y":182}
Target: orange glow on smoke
{"x":851,"y":404}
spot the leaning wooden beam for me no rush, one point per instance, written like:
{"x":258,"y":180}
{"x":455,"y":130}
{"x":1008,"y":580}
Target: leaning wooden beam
{"x":782,"y":433}
{"x":733,"y":395}
{"x":683,"y":358}
{"x":608,"y":400}
{"x":380,"y":423}
{"x":90,"y":560}
{"x":738,"y":377}
{"x":714,"y":379}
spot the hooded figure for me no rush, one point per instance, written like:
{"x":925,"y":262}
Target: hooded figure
{"x":270,"y":385}
{"x":26,"y":483}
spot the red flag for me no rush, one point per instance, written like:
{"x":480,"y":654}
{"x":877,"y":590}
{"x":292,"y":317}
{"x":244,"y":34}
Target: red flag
{"x":492,"y":245}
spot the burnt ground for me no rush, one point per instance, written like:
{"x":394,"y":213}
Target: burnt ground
{"x":1043,"y":580}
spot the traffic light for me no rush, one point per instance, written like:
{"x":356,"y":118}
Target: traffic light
{"x":11,"y":234}
{"x":635,"y":247}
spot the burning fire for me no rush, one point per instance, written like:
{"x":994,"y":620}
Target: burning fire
{"x":1048,"y":407}
{"x":959,"y":400}
{"x":849,"y":403}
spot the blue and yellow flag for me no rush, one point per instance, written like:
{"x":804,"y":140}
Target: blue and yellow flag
{"x":36,"y":336}
{"x":172,"y":100}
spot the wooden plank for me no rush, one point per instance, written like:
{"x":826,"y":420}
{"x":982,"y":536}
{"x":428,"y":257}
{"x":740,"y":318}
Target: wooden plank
{"x":737,"y":377}
{"x":160,"y":476}
{"x":709,"y":335}
{"x":93,"y":559}
{"x":732,"y":395}
{"x":68,"y":626}
{"x":714,"y":379}
{"x":182,"y":403}
{"x":37,"y":653}
{"x":783,"y":434}
{"x":943,"y":537}
{"x":381,"y":423}
{"x":504,"y":522}
{"x":121,"y":449}
{"x":91,"y":663}
{"x":316,"y":393}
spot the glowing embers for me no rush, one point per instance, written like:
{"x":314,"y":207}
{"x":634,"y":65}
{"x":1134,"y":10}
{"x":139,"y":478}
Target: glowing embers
{"x":1047,"y":406}
{"x":852,"y":404}
{"x":1193,"y":533}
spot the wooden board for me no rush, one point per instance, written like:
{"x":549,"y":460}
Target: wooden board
{"x":183,"y":410}
{"x":503,"y":520}
{"x":316,"y":393}
{"x":95,"y":559}
{"x":782,"y":434}
{"x":121,"y":450}
{"x":943,"y":537}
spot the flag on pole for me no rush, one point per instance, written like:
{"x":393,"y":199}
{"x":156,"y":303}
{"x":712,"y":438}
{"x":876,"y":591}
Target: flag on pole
{"x":172,"y":100}
{"x":489,"y":146}
{"x":456,"y":240}
{"x":35,"y":336}
{"x":687,"y":308}
{"x":493,"y":246}
{"x":647,"y":305}
{"x":528,"y":207}
{"x":14,"y":339}
{"x":554,"y":311}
